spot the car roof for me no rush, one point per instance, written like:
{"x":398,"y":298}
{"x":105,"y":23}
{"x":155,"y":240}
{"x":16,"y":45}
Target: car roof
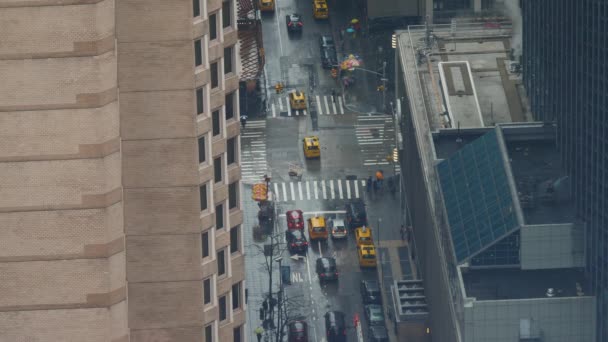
{"x":298,"y":325}
{"x":378,"y":331}
{"x":338,"y":222}
{"x":326,"y":39}
{"x":374,"y":307}
{"x":295,"y":16}
{"x":295,"y":233}
{"x":371,"y":285}
{"x":334,"y":316}
{"x":326,"y":261}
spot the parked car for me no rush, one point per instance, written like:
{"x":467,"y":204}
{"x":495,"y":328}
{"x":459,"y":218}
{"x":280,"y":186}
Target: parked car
{"x":297,"y":331}
{"x":296,"y":241}
{"x":295,"y":219}
{"x":355,"y":214}
{"x":377,"y":333}
{"x":327,"y":269}
{"x":329,"y":57}
{"x":335,"y":326}
{"x":326,"y":41}
{"x":374,"y":314}
{"x":294,"y":23}
{"x":370,"y":292}
{"x":338,"y":229}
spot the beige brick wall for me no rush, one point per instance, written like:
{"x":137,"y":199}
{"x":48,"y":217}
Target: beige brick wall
{"x":50,"y":29}
{"x":55,"y":81}
{"x":157,"y":20}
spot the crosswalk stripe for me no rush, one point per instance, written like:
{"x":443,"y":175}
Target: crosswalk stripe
{"x":307,"y":190}
{"x":348,"y":189}
{"x":304,"y":111}
{"x":316,"y":190}
{"x":284,"y":191}
{"x":274,"y":111}
{"x":323,"y":188}
{"x":356,"y":189}
{"x":280,"y":104}
{"x":340,"y":189}
{"x":276,"y":191}
{"x":326,"y":104}
{"x":300,"y":191}
{"x":288,"y":107}
{"x":319,"y":109}
{"x":333,"y":104}
{"x":331,"y":187}
{"x":340,"y":105}
{"x":293,"y":193}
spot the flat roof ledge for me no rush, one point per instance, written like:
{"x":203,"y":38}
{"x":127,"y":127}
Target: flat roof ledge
{"x":459,"y":94}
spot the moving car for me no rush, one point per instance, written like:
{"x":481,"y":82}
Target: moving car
{"x":295,"y":219}
{"x":355,"y":214}
{"x":374,"y":314}
{"x":297,"y":100}
{"x":377,"y":333}
{"x":367,"y":256}
{"x":296,"y":241}
{"x":370,"y":292}
{"x":267,"y":5}
{"x":294,"y":23}
{"x":363,"y":236}
{"x":311,"y":147}
{"x":326,"y":269}
{"x":329,"y":57}
{"x":335,"y":326}
{"x":320,"y":9}
{"x":297,"y":331}
{"x":317,"y":229}
{"x":338,"y":229}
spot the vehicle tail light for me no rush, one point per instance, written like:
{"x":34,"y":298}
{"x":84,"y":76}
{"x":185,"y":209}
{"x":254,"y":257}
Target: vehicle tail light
{"x":300,"y":24}
{"x":293,"y":245}
{"x":322,"y":275}
{"x":289,"y":24}
{"x":344,"y":332}
{"x":337,"y":274}
{"x":305,"y":243}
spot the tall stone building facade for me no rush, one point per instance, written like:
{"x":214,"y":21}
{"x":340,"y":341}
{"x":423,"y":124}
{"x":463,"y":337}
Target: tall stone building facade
{"x":120,"y":205}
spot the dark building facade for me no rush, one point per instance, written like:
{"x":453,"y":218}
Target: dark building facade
{"x":565,"y":47}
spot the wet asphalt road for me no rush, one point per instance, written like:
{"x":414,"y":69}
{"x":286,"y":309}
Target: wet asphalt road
{"x":353,"y":147}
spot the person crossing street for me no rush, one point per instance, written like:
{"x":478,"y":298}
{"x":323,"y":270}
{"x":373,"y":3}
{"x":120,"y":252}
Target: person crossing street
{"x":258,"y":333}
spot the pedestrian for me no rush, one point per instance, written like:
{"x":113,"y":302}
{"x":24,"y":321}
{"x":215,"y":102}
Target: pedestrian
{"x":265,"y":305}
{"x":403,"y":232}
{"x":376,"y":184}
{"x":243,"y":120}
{"x":368,"y":186}
{"x":258,"y":333}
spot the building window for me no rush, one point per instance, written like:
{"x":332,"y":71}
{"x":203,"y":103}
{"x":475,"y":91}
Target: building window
{"x":202,"y":156}
{"x":215,"y":80}
{"x":238,"y":334}
{"x":228,"y":60}
{"x":219,"y":216}
{"x":215,"y":118}
{"x":196,"y":8}
{"x":229,"y":99}
{"x":233,"y":195}
{"x":235,"y":234}
{"x":236,"y":296}
{"x":209,"y":333}
{"x":198,"y":53}
{"x":231,"y":150}
{"x":203,"y":196}
{"x":226,"y":14}
{"x":217,"y":169}
{"x":199,"y":101}
{"x":223,"y":308}
{"x":205,"y":244}
{"x":221,"y":263}
{"x":213,"y":26}
{"x":207,"y":291}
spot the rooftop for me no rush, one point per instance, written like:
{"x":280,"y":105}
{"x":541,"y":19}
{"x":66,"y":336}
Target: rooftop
{"x":488,"y":284}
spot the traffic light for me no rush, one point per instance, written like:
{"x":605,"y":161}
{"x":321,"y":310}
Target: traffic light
{"x":394,"y":41}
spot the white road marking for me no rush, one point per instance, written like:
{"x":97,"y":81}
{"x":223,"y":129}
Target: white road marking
{"x":276,"y":191}
{"x":296,"y":277}
{"x":279,"y":34}
{"x":348,"y":189}
{"x":300,"y":191}
{"x":340,"y":189}
{"x":319,"y":109}
{"x":293,"y":193}
{"x":274,"y":111}
{"x":307,"y":190}
{"x":304,"y":111}
{"x":340,"y":105}
{"x":281,"y":103}
{"x":331,"y":188}
{"x":284,"y":192}
{"x":326,"y":104}
{"x":320,"y":250}
{"x":323,"y":188}
{"x":333,"y":104}
{"x":316,"y":190}
{"x":288,"y":107}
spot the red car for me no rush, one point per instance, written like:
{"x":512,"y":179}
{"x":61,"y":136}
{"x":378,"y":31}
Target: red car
{"x":295,"y":219}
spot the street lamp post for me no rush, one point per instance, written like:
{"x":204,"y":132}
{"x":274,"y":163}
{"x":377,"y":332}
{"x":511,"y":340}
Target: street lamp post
{"x":279,"y":332}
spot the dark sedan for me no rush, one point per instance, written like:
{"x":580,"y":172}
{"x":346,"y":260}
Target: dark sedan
{"x":370,"y":292}
{"x":329,"y":58}
{"x":294,"y":23}
{"x":296,"y":241}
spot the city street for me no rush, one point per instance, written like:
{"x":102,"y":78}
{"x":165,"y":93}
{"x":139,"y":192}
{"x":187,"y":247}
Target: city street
{"x":353,"y":147}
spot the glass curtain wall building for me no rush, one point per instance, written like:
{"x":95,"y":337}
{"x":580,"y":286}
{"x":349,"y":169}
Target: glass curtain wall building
{"x":565,"y":73}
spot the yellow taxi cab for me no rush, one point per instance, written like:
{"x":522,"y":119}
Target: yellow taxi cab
{"x":367,"y":256}
{"x":312,"y":147}
{"x":267,"y":5}
{"x":297,"y":100}
{"x":320,"y":9}
{"x":317,"y":229}
{"x":363,"y":236}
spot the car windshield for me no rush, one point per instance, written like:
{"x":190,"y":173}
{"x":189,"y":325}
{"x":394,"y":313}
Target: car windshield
{"x":369,"y":256}
{"x":317,"y":229}
{"x":296,"y":234}
{"x":376,"y":314}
